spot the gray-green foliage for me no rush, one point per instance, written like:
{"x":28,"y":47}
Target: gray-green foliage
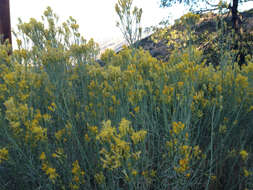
{"x":130,"y":19}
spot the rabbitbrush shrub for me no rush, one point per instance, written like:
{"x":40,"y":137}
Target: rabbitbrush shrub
{"x":136,"y":123}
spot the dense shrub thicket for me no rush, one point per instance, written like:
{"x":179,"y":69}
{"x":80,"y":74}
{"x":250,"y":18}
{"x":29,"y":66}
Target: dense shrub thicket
{"x":135,"y":123}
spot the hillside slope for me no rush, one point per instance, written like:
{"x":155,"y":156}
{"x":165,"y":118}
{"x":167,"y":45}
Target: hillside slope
{"x":206,"y":32}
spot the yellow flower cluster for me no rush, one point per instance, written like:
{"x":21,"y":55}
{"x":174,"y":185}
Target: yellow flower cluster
{"x":183,"y":165}
{"x":51,"y":172}
{"x":244,"y":154}
{"x":107,"y":132}
{"x":100,"y":178}
{"x":180,"y":149}
{"x":125,"y":128}
{"x":119,"y":148}
{"x":78,"y":176}
{"x":246,"y":172}
{"x":60,"y":134}
{"x":18,"y":116}
{"x":138,"y":136}
{"x":177,"y":128}
{"x":149,"y":175}
{"x":52,"y":107}
{"x":3,"y":154}
{"x":189,"y":155}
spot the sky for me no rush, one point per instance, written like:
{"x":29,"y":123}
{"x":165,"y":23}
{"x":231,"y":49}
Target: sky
{"x":96,"y":18}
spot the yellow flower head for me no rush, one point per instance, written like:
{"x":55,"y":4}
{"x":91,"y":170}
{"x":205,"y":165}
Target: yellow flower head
{"x":76,"y":167}
{"x":87,"y":138}
{"x":124,"y":127}
{"x":93,"y":129}
{"x":107,"y":131}
{"x":177,"y":127}
{"x":137,"y":109}
{"x":180,"y":83}
{"x":134,"y":172}
{"x":100,"y":178}
{"x":244,"y":154}
{"x":138,"y":136}
{"x":213,"y":177}
{"x":136,"y":155}
{"x":3,"y":154}
{"x":246,"y":172}
{"x":52,"y":173}
{"x":43,"y":156}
